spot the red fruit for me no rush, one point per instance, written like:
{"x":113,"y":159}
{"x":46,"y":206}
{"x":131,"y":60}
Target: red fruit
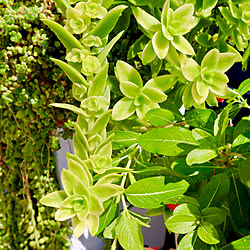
{"x":221,"y":100}
{"x":172,"y":206}
{"x":155,"y":248}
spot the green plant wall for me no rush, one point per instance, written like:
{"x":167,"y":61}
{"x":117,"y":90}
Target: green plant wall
{"x":29,"y":126}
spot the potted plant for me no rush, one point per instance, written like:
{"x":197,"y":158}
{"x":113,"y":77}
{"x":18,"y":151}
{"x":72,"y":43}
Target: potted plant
{"x":132,"y":146}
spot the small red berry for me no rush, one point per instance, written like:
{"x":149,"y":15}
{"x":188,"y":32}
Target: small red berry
{"x":221,"y":100}
{"x":172,"y":206}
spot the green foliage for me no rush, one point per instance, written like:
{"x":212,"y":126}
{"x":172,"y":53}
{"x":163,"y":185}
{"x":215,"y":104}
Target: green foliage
{"x":133,"y":65}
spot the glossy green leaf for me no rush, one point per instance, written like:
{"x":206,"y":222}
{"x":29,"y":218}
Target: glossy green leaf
{"x":160,"y":117}
{"x":238,"y":199}
{"x":104,"y":53}
{"x":213,"y":215}
{"x":208,"y":233}
{"x":241,"y":127}
{"x":160,"y":44}
{"x":147,"y":21}
{"x":243,"y":243}
{"x":181,"y":199}
{"x":215,"y":192}
{"x":124,"y":139}
{"x":101,"y":122}
{"x":244,"y":87}
{"x":67,"y":39}
{"x":137,"y":46}
{"x":205,"y":40}
{"x":148,"y":54}
{"x":106,"y":191}
{"x":54,"y":199}
{"x":123,"y":109}
{"x":211,"y":59}
{"x":142,"y":220}
{"x":151,"y":192}
{"x":129,"y":89}
{"x":200,"y":155}
{"x":226,"y":61}
{"x":241,"y":144}
{"x":108,"y":22}
{"x":154,"y":94}
{"x":190,"y":68}
{"x":71,"y":107}
{"x":129,"y":233}
{"x":170,"y":141}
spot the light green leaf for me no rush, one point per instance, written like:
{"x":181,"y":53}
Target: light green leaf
{"x":67,"y":39}
{"x":81,"y":189}
{"x":123,"y":109}
{"x":187,"y":101}
{"x":129,"y":233}
{"x":106,"y":191}
{"x":93,"y":224}
{"x":73,"y":108}
{"x":147,"y":21}
{"x":110,"y":231}
{"x":63,"y":5}
{"x":200,"y":155}
{"x":124,"y":139}
{"x":215,"y":192}
{"x":64,"y":214}
{"x":105,"y":51}
{"x":213,"y":215}
{"x":204,"y":138}
{"x":97,"y":87}
{"x":211,"y":59}
{"x":126,"y":72}
{"x":243,"y":243}
{"x":154,"y":94}
{"x":108,"y":22}
{"x":79,"y":148}
{"x":69,"y":201}
{"x":160,"y":117}
{"x":208,"y":233}
{"x":69,"y":180}
{"x":148,"y":54}
{"x":101,"y":122}
{"x":160,"y":44}
{"x":187,"y":209}
{"x":170,"y":141}
{"x":108,"y":179}
{"x":151,"y":192}
{"x":95,"y":205}
{"x":244,"y":87}
{"x":54,"y":199}
{"x":180,"y":199}
{"x":181,"y":44}
{"x":129,"y":89}
{"x":78,"y":226}
{"x":242,"y":143}
{"x":216,"y":78}
{"x":226,"y":61}
{"x":190,"y":68}
{"x":142,"y":220}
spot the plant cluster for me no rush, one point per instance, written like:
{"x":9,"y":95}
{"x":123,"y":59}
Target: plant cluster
{"x":28,"y":83}
{"x":132,"y":145}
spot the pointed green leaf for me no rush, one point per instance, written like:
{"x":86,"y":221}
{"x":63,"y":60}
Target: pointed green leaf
{"x":170,"y":141}
{"x":181,"y":44}
{"x":129,"y":89}
{"x":190,"y":68}
{"x":81,"y":189}
{"x":63,"y":5}
{"x":93,"y":224}
{"x":79,"y":149}
{"x":243,"y":243}
{"x":105,"y":51}
{"x":106,"y":191}
{"x":69,"y":180}
{"x":137,"y":46}
{"x":211,"y":59}
{"x":208,"y":233}
{"x":148,"y":54}
{"x":124,"y":139}
{"x":54,"y":199}
{"x":147,"y":21}
{"x":64,"y":214}
{"x":154,"y":94}
{"x":108,"y":22}
{"x":67,"y":39}
{"x":215,"y":192}
{"x":244,"y":87}
{"x":71,"y":72}
{"x":78,"y":226}
{"x":241,"y":144}
{"x":226,"y":61}
{"x":151,"y":192}
{"x":126,"y":72}
{"x":160,"y":44}
{"x":95,"y":205}
{"x":69,"y":201}
{"x":129,"y":233}
{"x":101,"y":122}
{"x":123,"y":109}
{"x":97,"y":87}
{"x":73,"y":108}
{"x":110,"y":231}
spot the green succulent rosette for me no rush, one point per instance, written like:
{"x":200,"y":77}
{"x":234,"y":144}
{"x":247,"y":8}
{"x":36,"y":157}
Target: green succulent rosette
{"x":207,"y":81}
{"x":80,"y":199}
{"x":170,"y":31}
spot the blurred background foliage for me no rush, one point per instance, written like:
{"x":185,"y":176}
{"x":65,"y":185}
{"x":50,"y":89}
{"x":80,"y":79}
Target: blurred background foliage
{"x":29,"y":127}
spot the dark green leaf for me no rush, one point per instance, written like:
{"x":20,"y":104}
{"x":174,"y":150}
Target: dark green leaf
{"x":213,"y":215}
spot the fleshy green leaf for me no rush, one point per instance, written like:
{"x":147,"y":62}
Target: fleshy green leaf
{"x":106,"y":191}
{"x":190,"y":68}
{"x":54,"y":199}
{"x":151,"y":192}
{"x":73,"y":108}
{"x":101,"y":122}
{"x":129,"y":89}
{"x":126,"y":72}
{"x":69,"y":180}
{"x":160,"y":44}
{"x":147,"y":21}
{"x":208,"y":233}
{"x":181,"y":44}
{"x":170,"y":141}
{"x":93,"y":224}
{"x":78,"y":226}
{"x":160,"y":117}
{"x":148,"y":54}
{"x":108,"y":22}
{"x":244,"y":87}
{"x":211,"y":59}
{"x":154,"y":94}
{"x":95,"y":205}
{"x":123,"y":109}
{"x":64,"y":214}
{"x":67,"y":39}
{"x":226,"y":61}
